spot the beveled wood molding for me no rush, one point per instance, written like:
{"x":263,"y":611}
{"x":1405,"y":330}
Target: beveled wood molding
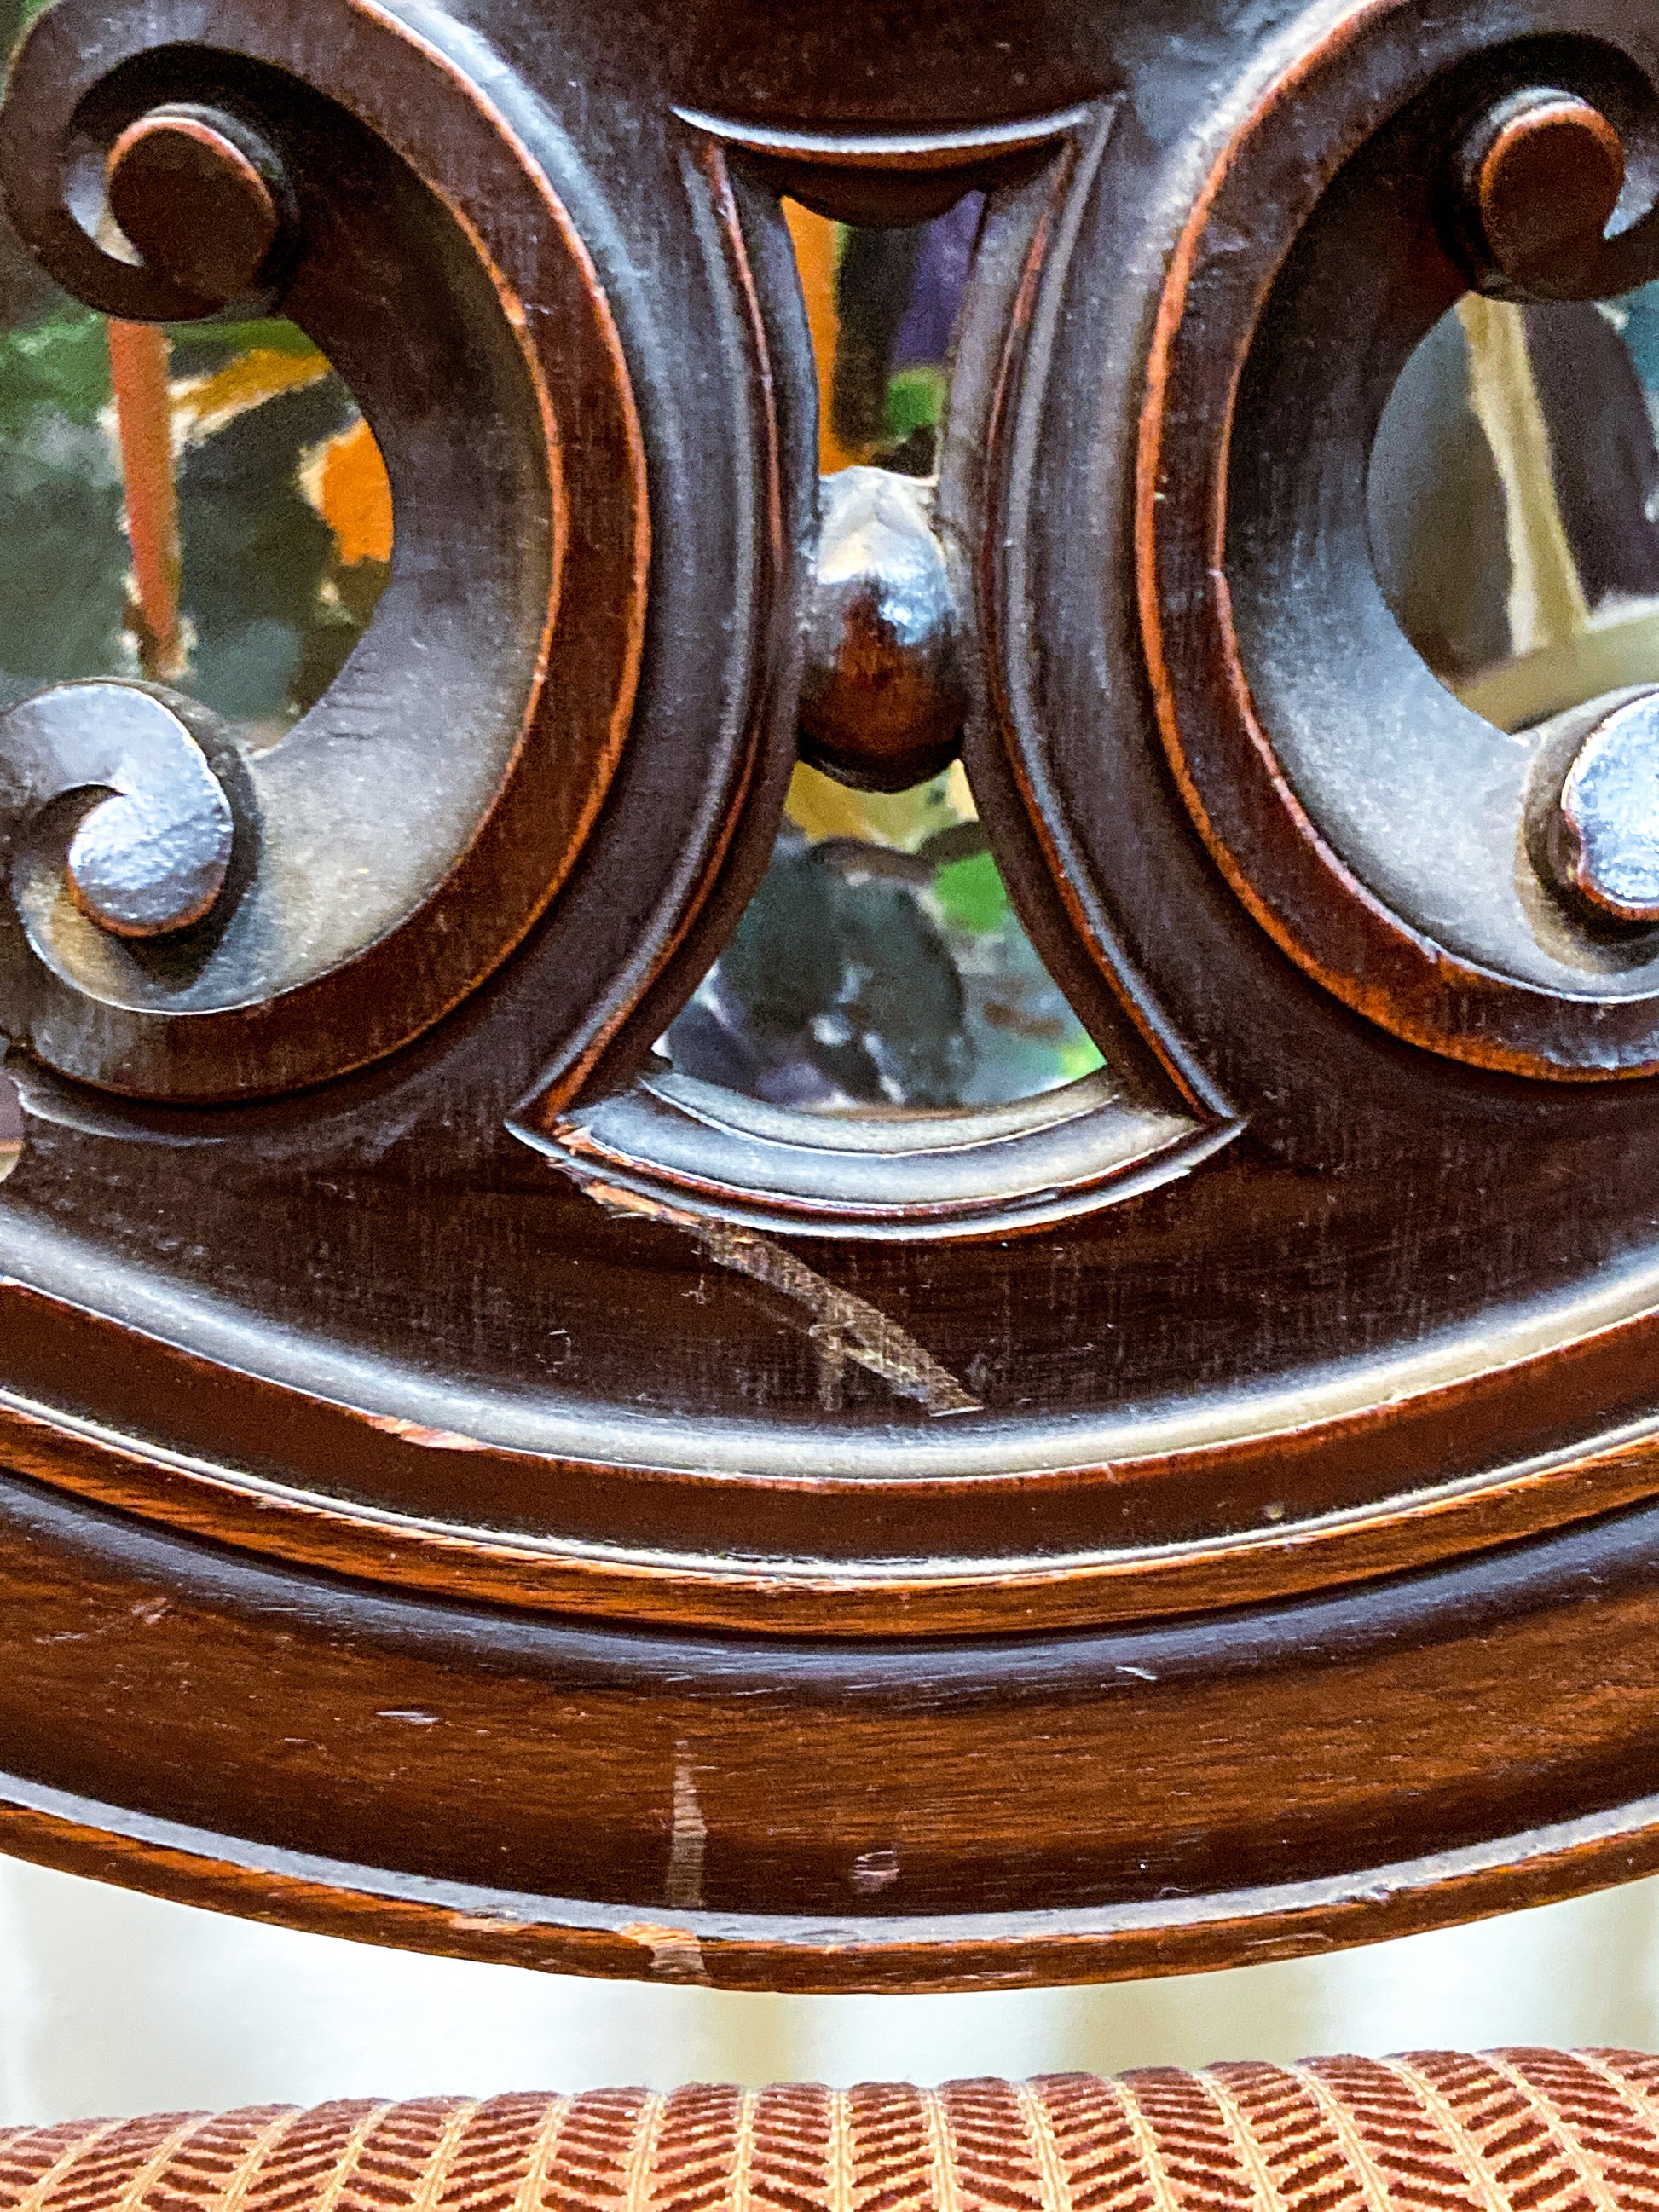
{"x":825,"y":1952}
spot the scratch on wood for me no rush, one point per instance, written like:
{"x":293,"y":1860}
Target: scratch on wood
{"x":684,"y":1889}
{"x":843,"y":1327}
{"x":676,"y":1953}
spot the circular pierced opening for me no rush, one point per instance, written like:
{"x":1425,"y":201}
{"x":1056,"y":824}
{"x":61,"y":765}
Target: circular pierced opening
{"x":1514,"y":496}
{"x":200,"y":505}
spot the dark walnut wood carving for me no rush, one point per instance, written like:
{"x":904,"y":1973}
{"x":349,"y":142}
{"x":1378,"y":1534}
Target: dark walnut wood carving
{"x":1577,"y":2130}
{"x":469,"y":1484}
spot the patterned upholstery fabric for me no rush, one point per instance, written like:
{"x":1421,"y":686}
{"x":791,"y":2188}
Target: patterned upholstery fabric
{"x":1535,"y":2130}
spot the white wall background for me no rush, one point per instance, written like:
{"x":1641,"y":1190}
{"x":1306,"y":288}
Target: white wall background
{"x":112,"y":2003}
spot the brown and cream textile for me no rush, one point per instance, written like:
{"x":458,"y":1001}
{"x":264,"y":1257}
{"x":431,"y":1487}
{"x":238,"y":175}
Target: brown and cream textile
{"x":1522,"y":2130}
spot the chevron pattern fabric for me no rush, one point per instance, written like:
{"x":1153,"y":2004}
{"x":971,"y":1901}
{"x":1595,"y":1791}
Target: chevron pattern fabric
{"x":1508,"y":2131}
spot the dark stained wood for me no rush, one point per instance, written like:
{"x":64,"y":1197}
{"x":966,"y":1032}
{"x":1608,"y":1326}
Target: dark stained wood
{"x":1543,"y":175}
{"x":205,"y":202}
{"x":1155,"y":1799}
{"x":500,"y":729}
{"x":467,"y":1485}
{"x":1395,"y":887}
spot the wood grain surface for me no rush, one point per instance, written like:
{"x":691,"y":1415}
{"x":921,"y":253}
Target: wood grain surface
{"x":463,"y":1484}
{"x":1562,"y":2131}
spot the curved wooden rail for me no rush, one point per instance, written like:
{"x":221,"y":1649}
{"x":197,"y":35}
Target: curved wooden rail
{"x":1548,"y":2130}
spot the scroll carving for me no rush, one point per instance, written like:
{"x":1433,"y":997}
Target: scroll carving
{"x":1378,"y":829}
{"x":404,"y":836}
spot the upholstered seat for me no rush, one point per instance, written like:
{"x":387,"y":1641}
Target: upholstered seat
{"x":1534,"y":2130}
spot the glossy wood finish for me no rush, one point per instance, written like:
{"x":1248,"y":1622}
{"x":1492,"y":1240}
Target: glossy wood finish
{"x":1501,"y":1711}
{"x":471,"y":1486}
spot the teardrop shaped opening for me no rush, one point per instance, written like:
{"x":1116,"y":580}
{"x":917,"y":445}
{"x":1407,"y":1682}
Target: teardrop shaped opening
{"x":881,"y":968}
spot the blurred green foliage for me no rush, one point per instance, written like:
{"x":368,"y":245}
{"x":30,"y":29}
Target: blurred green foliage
{"x":915,"y":400}
{"x":973,"y":894}
{"x":62,"y":363}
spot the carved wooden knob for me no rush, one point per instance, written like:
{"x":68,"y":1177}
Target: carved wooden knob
{"x":1542,"y":173}
{"x":201,"y":195}
{"x":1600,"y":842}
{"x":881,"y":704}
